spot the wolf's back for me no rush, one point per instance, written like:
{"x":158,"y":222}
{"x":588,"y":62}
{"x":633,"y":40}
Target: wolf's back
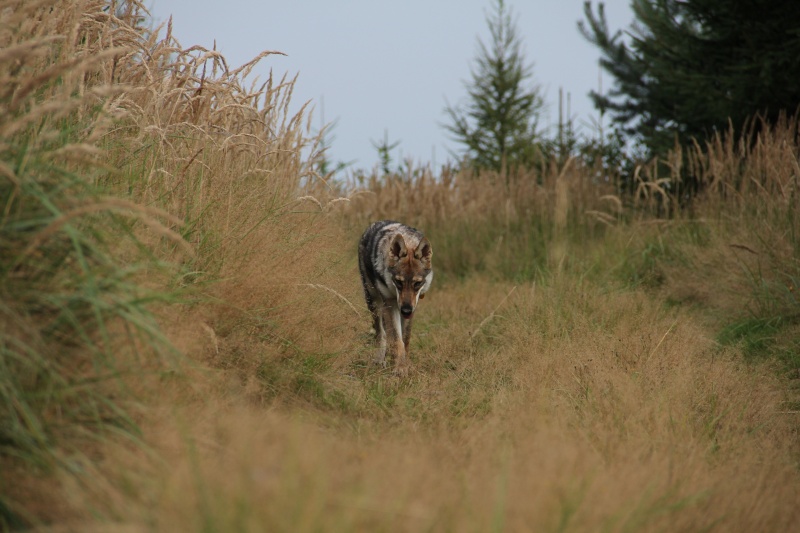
{"x":370,"y":249}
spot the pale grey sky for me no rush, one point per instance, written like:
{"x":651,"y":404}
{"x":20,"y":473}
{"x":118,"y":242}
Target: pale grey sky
{"x":391,"y":66}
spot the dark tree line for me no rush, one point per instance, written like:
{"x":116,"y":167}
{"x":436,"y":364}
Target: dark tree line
{"x":688,"y":68}
{"x":682,"y":70}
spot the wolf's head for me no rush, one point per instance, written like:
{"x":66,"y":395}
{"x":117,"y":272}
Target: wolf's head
{"x":410,"y":268}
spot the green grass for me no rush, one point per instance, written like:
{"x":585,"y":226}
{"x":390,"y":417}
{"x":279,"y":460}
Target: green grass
{"x":755,"y":336}
{"x":75,"y":316}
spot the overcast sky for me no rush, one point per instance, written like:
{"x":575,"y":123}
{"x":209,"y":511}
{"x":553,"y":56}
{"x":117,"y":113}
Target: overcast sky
{"x":382,"y":66}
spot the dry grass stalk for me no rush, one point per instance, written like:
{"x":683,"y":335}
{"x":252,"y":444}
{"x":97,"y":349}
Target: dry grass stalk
{"x":148,"y":215}
{"x":491,"y":315}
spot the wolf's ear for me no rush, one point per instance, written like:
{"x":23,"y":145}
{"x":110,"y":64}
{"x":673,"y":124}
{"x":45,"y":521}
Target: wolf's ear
{"x":425,"y":251}
{"x":398,"y":248}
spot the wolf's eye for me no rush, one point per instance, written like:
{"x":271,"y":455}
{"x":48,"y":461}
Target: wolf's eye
{"x":418,"y":285}
{"x":399,"y":283}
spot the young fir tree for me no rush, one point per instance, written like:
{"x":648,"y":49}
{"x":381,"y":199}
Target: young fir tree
{"x":497,"y":126}
{"x":690,"y":68}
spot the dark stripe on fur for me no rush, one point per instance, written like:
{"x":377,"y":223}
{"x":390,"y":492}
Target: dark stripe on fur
{"x":368,"y":250}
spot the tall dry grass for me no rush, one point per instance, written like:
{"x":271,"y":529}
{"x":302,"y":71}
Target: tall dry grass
{"x":733,"y":248}
{"x":568,"y":374}
{"x":135,"y":174}
{"x":493,"y":224}
{"x":74,"y":324}
{"x":752,"y":192}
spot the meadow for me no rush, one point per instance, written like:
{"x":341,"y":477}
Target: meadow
{"x":185,"y":347}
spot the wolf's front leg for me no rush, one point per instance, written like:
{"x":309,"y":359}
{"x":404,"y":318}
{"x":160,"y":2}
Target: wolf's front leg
{"x":375,"y":303}
{"x":407,"y":333}
{"x":380,"y":341}
{"x":394,"y":339}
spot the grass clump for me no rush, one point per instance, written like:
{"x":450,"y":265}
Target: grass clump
{"x":74,"y":317}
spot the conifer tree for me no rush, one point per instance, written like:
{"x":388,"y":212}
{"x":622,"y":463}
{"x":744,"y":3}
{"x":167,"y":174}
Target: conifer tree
{"x":497,"y":126}
{"x":688,"y":67}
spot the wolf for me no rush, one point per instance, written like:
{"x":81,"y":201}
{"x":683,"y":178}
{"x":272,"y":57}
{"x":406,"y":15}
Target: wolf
{"x":395,"y":264}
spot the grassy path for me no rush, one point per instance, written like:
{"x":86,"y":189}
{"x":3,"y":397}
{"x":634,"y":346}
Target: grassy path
{"x":571,"y":408}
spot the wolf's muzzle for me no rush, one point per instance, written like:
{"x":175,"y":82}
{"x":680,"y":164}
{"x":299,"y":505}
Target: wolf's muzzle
{"x":406,"y":310}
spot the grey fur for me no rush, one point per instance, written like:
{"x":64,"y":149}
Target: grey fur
{"x":395,"y":265}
